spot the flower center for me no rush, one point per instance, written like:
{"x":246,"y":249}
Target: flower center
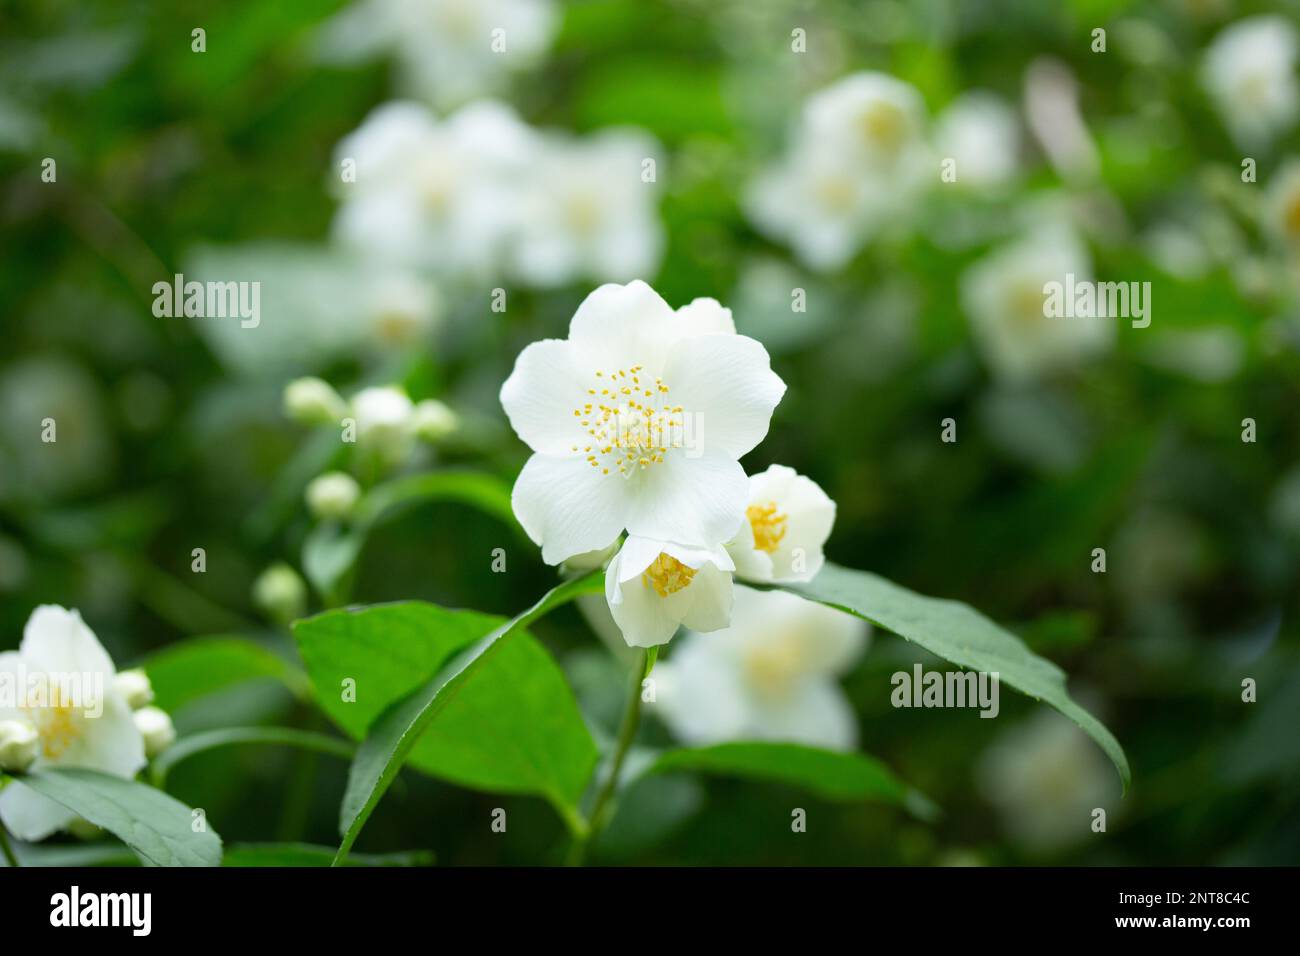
{"x":56,"y":722}
{"x":836,"y":193}
{"x":768,"y":524}
{"x":884,"y":126}
{"x":628,"y":422}
{"x":1027,"y":302}
{"x":667,"y":575}
{"x":582,"y":212}
{"x":1292,"y":217}
{"x":772,"y":667}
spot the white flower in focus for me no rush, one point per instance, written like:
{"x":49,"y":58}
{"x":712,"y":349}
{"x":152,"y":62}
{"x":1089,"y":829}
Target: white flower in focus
{"x":1249,"y":72}
{"x":438,"y":195}
{"x":636,"y":421}
{"x":443,"y":48}
{"x":91,"y":727}
{"x":590,"y":215}
{"x":770,"y":675}
{"x":1005,"y":297}
{"x":1045,"y":777}
{"x":156,"y":729}
{"x":654,"y":587}
{"x":383,"y":417}
{"x":981,"y":132}
{"x":787,"y":521}
{"x":19,"y":745}
{"x":333,"y":495}
{"x":313,"y":401}
{"x":135,"y":688}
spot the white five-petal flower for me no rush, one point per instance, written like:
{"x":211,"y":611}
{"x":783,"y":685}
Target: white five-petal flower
{"x":654,"y":587}
{"x":787,"y":522}
{"x":770,"y":675}
{"x":636,"y":421}
{"x":63,"y":657}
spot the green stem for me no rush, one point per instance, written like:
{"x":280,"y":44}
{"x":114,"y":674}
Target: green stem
{"x":602,"y":808}
{"x":8,"y":850}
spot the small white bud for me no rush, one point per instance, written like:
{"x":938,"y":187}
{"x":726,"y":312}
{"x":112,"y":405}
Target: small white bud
{"x":19,"y":743}
{"x":313,"y":401}
{"x":333,"y":495}
{"x":280,"y":592}
{"x":156,"y":729}
{"x":434,"y":421}
{"x":384,"y":419}
{"x":134,"y":687}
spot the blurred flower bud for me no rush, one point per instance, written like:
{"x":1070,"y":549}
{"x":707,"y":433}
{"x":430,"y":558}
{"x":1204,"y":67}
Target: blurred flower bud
{"x":19,"y":743}
{"x":280,"y":592}
{"x":156,"y":729}
{"x":434,"y":421}
{"x":313,"y":401}
{"x":134,"y":687}
{"x":384,"y":420}
{"x":333,"y":495}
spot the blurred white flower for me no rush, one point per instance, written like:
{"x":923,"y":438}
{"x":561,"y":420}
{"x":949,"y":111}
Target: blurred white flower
{"x":313,"y":401}
{"x":432,"y":421}
{"x":872,"y":118}
{"x":444,"y":48}
{"x":591,"y":213}
{"x":770,"y":675}
{"x":1046,"y":777}
{"x":654,"y":587}
{"x":787,"y":521}
{"x":96,"y":731}
{"x":333,"y":495}
{"x":384,"y":421}
{"x":135,"y":688}
{"x":981,"y":132}
{"x":1249,"y":72}
{"x":1283,"y":203}
{"x":1005,"y":298}
{"x":636,"y":422}
{"x":403,"y":308}
{"x":439,"y":195}
{"x":156,"y":729}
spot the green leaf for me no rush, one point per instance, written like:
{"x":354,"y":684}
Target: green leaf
{"x":331,"y":550}
{"x":829,"y":774}
{"x":229,"y":736}
{"x":959,"y":634}
{"x":204,"y":665}
{"x":307,"y":854}
{"x":151,"y":823}
{"x":496,"y":715}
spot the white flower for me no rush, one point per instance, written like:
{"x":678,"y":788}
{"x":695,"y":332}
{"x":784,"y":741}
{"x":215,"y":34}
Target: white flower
{"x":787,"y":521}
{"x":1249,"y":71}
{"x":654,"y":587}
{"x":870,"y":117}
{"x":591,"y":214}
{"x":439,"y":195}
{"x":636,"y":422}
{"x":79,"y":714}
{"x":981,"y":132}
{"x":313,"y":401}
{"x":383,"y":417}
{"x":770,"y":675}
{"x":333,"y":495}
{"x":19,"y":745}
{"x":404,"y":309}
{"x":433,"y":421}
{"x":156,"y":729}
{"x":444,"y":48}
{"x":1004,"y":294}
{"x":135,"y":688}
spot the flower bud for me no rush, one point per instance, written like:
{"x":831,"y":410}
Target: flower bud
{"x":156,"y":729}
{"x":434,"y":421}
{"x":19,"y":743}
{"x":280,"y":592}
{"x":313,"y":401}
{"x":134,"y":687}
{"x":333,"y":495}
{"x":384,"y":420}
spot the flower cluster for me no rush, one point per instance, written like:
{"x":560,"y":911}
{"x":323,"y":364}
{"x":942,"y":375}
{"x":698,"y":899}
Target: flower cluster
{"x":64,"y":704}
{"x":860,"y":155}
{"x":637,"y":422}
{"x":483,"y":195}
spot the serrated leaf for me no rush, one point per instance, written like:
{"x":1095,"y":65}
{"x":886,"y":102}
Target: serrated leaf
{"x":960,"y":634}
{"x":156,"y":826}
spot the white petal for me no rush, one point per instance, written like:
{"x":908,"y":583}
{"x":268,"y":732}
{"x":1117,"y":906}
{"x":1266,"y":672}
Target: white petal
{"x":699,"y":695}
{"x":710,"y":591}
{"x":57,"y":640}
{"x":810,"y":515}
{"x":705,"y":317}
{"x":541,"y":395}
{"x":31,"y":816}
{"x":567,"y":506}
{"x":727,"y":387}
{"x":690,"y":500}
{"x":644,"y":616}
{"x":621,"y":325}
{"x":816,"y":714}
